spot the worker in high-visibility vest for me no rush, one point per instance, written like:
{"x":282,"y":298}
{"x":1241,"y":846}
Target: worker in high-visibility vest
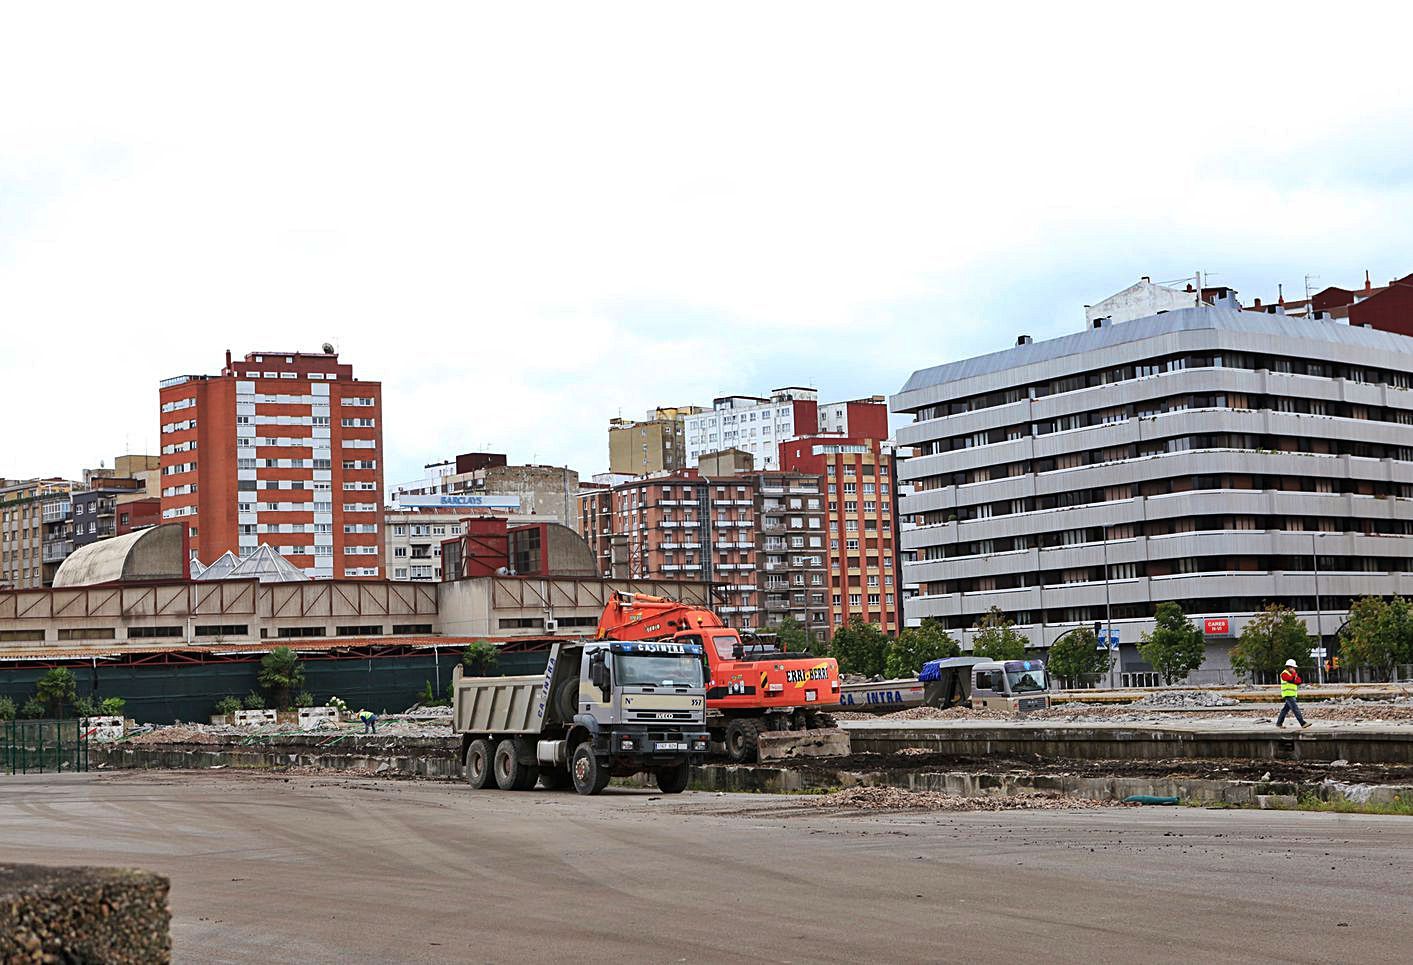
{"x":370,"y":721}
{"x":1290,"y":689}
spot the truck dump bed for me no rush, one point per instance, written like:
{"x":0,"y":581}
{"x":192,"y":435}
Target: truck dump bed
{"x":496,"y":705}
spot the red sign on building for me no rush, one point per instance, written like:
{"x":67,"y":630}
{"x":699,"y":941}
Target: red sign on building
{"x":1216,"y":627}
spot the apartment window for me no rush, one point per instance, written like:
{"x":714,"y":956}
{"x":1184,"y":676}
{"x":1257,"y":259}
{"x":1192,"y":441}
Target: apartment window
{"x":407,"y":628}
{"x":287,"y":633}
{"x":362,"y":630}
{"x":147,"y":633}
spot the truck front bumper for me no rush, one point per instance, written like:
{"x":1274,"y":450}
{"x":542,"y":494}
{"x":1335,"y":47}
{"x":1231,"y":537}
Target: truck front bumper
{"x":654,"y":745}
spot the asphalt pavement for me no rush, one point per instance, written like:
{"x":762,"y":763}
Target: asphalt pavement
{"x":315,"y":869}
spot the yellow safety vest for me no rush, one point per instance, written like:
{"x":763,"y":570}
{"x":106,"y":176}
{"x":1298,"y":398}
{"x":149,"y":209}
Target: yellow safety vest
{"x":1289,"y":688}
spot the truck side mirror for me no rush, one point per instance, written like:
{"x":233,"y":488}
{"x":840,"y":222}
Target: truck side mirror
{"x":598,"y":672}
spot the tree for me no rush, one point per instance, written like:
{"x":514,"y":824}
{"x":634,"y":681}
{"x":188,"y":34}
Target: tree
{"x":1077,"y":655}
{"x":479,"y":658}
{"x":860,"y":648}
{"x":1176,"y":647}
{"x":997,"y":637}
{"x":915,"y":646}
{"x":792,"y":636}
{"x":1379,"y":635}
{"x":33,"y":709}
{"x":281,"y":674}
{"x":55,"y":689}
{"x":1268,"y":640}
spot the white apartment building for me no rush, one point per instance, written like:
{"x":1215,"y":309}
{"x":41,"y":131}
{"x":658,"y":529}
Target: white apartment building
{"x":753,"y":424}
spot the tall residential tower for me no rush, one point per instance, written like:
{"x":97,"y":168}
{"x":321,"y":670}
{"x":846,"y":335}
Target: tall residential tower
{"x":283,"y":448}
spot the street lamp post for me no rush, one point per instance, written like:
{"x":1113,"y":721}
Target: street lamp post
{"x":1319,"y":628}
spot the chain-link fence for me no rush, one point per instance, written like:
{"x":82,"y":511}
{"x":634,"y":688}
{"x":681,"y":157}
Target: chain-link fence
{"x":43,"y":746}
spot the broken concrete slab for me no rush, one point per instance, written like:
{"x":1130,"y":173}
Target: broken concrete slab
{"x":781,"y":745}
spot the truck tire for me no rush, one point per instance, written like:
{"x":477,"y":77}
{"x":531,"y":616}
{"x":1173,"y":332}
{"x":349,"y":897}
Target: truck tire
{"x":674,"y":779}
{"x":480,"y":767}
{"x":741,"y":736}
{"x":511,"y":773}
{"x":566,"y":699}
{"x":590,"y":775}
{"x":554,"y":777}
{"x":819,"y":721}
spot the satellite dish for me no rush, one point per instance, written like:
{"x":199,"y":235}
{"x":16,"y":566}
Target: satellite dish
{"x":328,"y":348}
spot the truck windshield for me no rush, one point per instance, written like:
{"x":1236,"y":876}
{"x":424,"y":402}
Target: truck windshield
{"x":644,"y":670}
{"x":1026,"y":681}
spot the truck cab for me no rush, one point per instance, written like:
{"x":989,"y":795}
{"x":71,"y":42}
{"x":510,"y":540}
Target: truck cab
{"x":1013,"y":686}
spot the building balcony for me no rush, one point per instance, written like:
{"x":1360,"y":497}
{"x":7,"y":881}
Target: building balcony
{"x":671,"y":568}
{"x":58,"y":511}
{"x":58,"y":552}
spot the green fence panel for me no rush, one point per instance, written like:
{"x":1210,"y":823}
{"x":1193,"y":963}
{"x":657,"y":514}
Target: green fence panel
{"x":43,"y":746}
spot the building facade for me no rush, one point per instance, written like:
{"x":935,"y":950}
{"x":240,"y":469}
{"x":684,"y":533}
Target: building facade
{"x":680,"y":526}
{"x":483,"y":483}
{"x":760,"y":425}
{"x":36,"y":530}
{"x":1219,"y":458}
{"x":753,"y":424}
{"x":412,"y":545}
{"x":283,"y":448}
{"x":861,"y":546}
{"x":655,"y":444}
{"x":793,"y":574}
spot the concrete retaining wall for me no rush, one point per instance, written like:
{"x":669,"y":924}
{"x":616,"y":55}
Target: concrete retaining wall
{"x":1123,"y":743}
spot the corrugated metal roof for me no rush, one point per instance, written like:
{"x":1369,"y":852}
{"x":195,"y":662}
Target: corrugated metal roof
{"x":1182,"y":320}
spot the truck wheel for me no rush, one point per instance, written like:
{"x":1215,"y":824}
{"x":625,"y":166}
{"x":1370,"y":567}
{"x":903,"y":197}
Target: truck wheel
{"x":589,"y":773}
{"x":480,"y":772}
{"x":511,"y":774}
{"x":566,"y":699}
{"x":674,"y":779}
{"x":554,"y":777}
{"x":741,"y":736}
{"x":818,"y":721}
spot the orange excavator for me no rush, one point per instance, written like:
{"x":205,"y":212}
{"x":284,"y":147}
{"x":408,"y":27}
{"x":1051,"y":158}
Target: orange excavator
{"x":751,"y":687}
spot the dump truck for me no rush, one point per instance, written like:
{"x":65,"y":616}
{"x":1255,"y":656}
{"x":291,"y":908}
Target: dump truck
{"x":600,"y":710}
{"x":751,"y":688}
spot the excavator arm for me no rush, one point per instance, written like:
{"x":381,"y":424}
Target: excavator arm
{"x":637,"y":616}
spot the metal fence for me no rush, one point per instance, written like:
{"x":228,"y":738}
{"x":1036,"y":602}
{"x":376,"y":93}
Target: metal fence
{"x":43,"y":746}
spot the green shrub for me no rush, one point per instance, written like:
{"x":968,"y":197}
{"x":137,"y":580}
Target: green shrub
{"x":33,"y":709}
{"x":7,"y":709}
{"x":112,"y":706}
{"x":227,"y":705}
{"x":479,"y":659}
{"x":57,"y":689}
{"x":85,"y":707}
{"x":304,"y":699}
{"x":253,"y":701}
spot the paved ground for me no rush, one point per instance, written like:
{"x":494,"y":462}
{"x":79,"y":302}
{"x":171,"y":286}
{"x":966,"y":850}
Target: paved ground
{"x":268,"y":869}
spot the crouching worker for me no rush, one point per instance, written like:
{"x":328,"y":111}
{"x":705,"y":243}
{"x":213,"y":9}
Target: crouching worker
{"x":370,"y":721}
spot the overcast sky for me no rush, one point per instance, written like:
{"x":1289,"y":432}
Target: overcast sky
{"x":527,"y":219}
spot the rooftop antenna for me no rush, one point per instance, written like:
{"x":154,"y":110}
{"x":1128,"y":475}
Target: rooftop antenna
{"x":1309,"y":290}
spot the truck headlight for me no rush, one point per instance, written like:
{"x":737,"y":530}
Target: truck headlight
{"x":699,"y":745}
{"x":626,"y":744}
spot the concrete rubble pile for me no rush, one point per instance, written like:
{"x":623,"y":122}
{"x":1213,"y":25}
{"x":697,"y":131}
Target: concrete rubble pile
{"x":1184,"y":698}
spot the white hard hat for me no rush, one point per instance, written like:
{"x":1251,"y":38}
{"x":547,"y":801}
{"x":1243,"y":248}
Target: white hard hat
{"x":1291,"y":663}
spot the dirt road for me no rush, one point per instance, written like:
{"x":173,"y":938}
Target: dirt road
{"x":268,"y":869}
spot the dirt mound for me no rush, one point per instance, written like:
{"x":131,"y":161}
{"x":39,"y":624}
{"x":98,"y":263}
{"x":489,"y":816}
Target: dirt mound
{"x":1183,"y":698}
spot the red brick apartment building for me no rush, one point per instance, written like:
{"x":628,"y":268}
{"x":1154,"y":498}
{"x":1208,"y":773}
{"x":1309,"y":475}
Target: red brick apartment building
{"x":679,"y":526}
{"x":284,"y":448}
{"x":858,"y":474}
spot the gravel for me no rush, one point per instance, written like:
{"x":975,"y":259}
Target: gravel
{"x":876,"y":798}
{"x":83,"y":915}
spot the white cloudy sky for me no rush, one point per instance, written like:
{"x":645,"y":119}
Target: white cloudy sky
{"x":526,"y":219}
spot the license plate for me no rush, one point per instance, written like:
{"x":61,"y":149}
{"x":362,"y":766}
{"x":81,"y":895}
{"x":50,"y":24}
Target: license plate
{"x":809,"y":696}
{"x":671,"y":746}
